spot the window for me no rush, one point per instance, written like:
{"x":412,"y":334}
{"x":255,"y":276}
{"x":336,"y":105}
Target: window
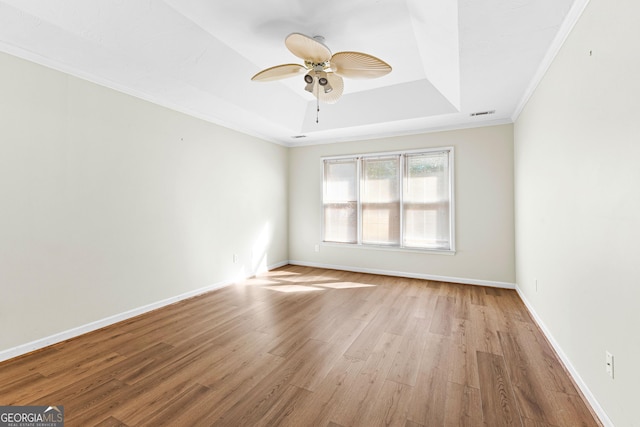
{"x":380,"y":200}
{"x":390,"y":199}
{"x":427,"y":206}
{"x":340,"y":201}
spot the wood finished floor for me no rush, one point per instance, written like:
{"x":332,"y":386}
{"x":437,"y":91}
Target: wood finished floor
{"x":309,"y":347}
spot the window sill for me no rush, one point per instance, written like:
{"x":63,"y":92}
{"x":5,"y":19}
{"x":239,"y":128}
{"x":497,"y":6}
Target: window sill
{"x":389,"y":248}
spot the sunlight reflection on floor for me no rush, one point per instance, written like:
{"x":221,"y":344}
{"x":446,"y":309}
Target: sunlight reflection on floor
{"x":279,"y":273}
{"x":345,"y":285}
{"x":308,"y":279}
{"x":316,"y":286}
{"x":293,"y":288}
{"x":258,"y":282}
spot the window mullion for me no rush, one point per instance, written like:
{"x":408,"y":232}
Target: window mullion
{"x":401,"y":184}
{"x":358,"y":198}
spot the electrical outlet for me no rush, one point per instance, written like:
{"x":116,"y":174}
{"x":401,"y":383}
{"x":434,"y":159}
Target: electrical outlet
{"x":235,"y":258}
{"x":536,"y":285}
{"x":317,"y":248}
{"x":610,"y":364}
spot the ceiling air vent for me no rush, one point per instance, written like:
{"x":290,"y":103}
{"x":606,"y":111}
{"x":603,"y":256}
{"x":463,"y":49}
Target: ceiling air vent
{"x":298,"y":136}
{"x":482,"y":113}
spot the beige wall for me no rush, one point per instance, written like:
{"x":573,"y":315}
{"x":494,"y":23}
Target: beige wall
{"x":483,"y":198}
{"x":109,"y":203}
{"x":577,"y":169}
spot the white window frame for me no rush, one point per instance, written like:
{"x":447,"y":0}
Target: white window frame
{"x":400,"y":247}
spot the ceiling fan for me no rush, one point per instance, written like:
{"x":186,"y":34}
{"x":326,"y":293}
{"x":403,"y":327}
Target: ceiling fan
{"x":323,"y":72}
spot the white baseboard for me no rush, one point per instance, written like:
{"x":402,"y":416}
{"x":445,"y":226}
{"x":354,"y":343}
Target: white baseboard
{"x":595,"y":405}
{"x":465,"y":281}
{"x":89,"y":327}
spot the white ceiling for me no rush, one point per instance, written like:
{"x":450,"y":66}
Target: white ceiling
{"x":450,"y":58}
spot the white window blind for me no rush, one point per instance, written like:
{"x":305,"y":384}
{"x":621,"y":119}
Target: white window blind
{"x":426,"y":201}
{"x":380,"y":199}
{"x":340,"y":201}
{"x":394,"y":200}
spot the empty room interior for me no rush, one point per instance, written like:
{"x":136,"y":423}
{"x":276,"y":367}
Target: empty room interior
{"x":320,"y":213}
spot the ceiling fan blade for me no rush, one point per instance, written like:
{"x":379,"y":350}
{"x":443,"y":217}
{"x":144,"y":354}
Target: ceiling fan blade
{"x":337,"y":84}
{"x":306,"y":48}
{"x":359,"y":65}
{"x":279,"y":72}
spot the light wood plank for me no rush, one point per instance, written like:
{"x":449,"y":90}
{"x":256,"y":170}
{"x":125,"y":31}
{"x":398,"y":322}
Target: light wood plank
{"x":443,"y":316}
{"x":499,"y":406}
{"x":428,"y":399}
{"x":463,"y":406}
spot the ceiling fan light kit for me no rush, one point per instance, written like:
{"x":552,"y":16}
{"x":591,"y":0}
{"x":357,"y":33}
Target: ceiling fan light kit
{"x":324,"y":72}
